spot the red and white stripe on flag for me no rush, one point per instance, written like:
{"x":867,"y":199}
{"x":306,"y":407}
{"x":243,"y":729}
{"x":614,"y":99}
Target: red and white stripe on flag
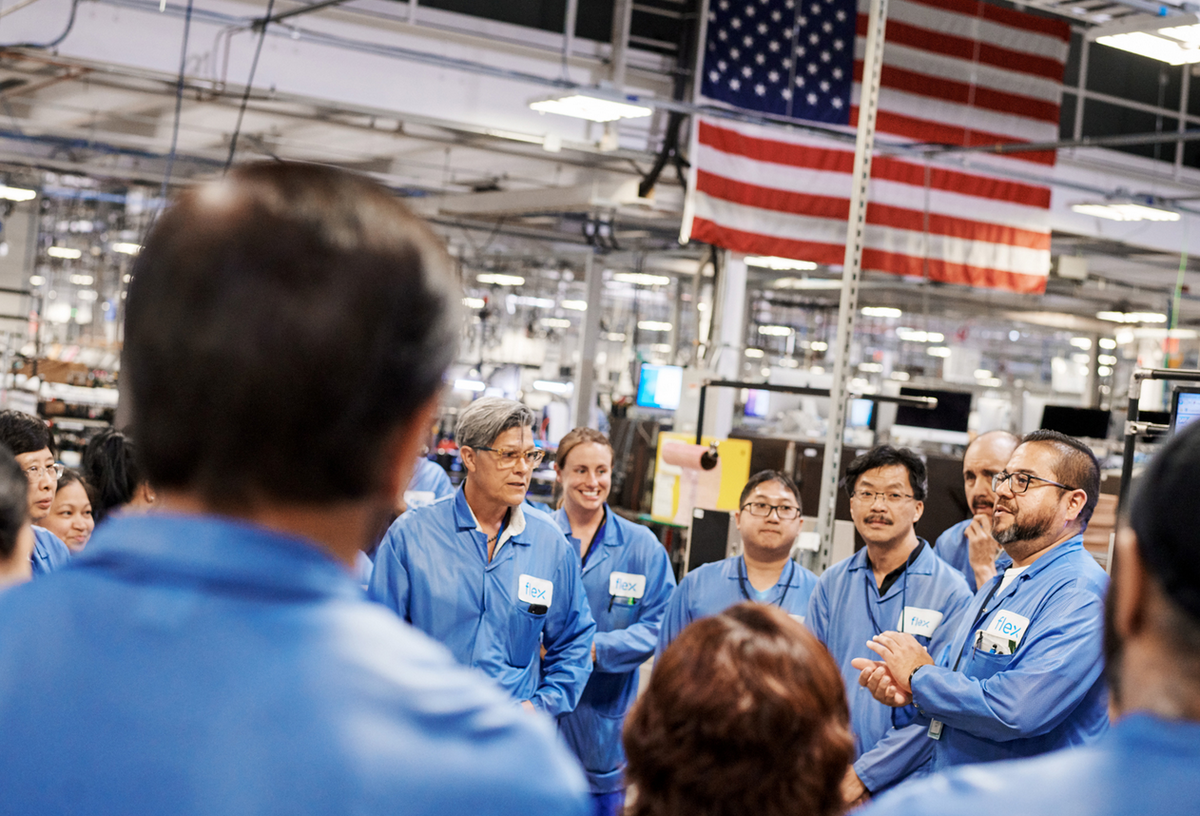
{"x":955,"y":72}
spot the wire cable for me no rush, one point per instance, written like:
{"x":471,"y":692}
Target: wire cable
{"x":237,"y":129}
{"x":56,"y":41}
{"x":183,"y":50}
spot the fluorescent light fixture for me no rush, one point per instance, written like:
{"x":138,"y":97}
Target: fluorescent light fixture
{"x":1133,"y":317}
{"x":82,"y":280}
{"x":808,"y":284}
{"x":990,"y":382}
{"x":1173,"y":39}
{"x":641,"y":279}
{"x":88,"y":294}
{"x":64,"y":252}
{"x":755,"y":353}
{"x":871,"y":368}
{"x":1106,"y":359}
{"x":1081,"y":358}
{"x":819,"y":345}
{"x":36,"y":280}
{"x":899,"y":376}
{"x":575,"y":305}
{"x":126,"y":248}
{"x":525,"y":300}
{"x":1084,"y":343}
{"x":982,"y":374}
{"x":592,"y":108}
{"x":662,"y":348}
{"x":765,"y":371}
{"x":551,"y":387}
{"x":1104,"y":371}
{"x":816,"y":370}
{"x":16,"y":193}
{"x":126,"y":278}
{"x":939,"y":351}
{"x":881,"y":311}
{"x":917,"y":336}
{"x":776,"y":331}
{"x":556,"y":323}
{"x":1125,"y":336}
{"x":500,"y":280}
{"x":469,"y":385}
{"x":788,"y":362}
{"x":1126,"y":211}
{"x":1165,"y":334}
{"x":474,"y":303}
{"x":616,"y":337}
{"x":781,"y":264}
{"x":654,"y":325}
{"x":1108,"y":343}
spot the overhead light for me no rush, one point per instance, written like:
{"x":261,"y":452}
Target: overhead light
{"x":916,"y":336}
{"x":781,"y":264}
{"x":939,"y":351}
{"x":1173,"y":39}
{"x":1133,"y":317}
{"x":474,"y":302}
{"x":575,"y":305}
{"x":654,"y":325}
{"x":881,"y":311}
{"x":755,"y":352}
{"x":871,"y":368}
{"x":819,"y":345}
{"x":982,"y":374}
{"x":662,"y":348}
{"x":81,"y":280}
{"x":807,"y":284}
{"x":1104,"y":371}
{"x":126,"y":248}
{"x":500,"y":280}
{"x":1126,"y":211}
{"x":89,"y":294}
{"x":592,"y":108}
{"x":990,"y":382}
{"x":469,"y":385}
{"x":1108,"y":343}
{"x":556,"y":323}
{"x":1081,"y":358}
{"x":551,"y":387}
{"x":65,"y":253}
{"x":899,"y":376}
{"x":1106,"y":359}
{"x":36,"y":280}
{"x":1164,"y":334}
{"x":16,"y":193}
{"x":641,"y":279}
{"x":776,"y":331}
{"x":788,"y":362}
{"x":1084,"y":343}
{"x":816,"y":370}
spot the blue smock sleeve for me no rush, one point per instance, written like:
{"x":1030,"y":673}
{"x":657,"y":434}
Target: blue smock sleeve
{"x":1028,"y":693}
{"x":567,"y":637}
{"x":900,"y":753}
{"x":623,"y":650}
{"x":956,"y":608}
{"x":389,"y":578}
{"x":677,"y":616}
{"x":818,"y":612}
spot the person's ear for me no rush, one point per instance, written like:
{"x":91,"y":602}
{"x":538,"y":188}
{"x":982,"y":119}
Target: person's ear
{"x":919,"y":511}
{"x":1075,"y":505}
{"x":403,"y":448}
{"x":1129,"y":593}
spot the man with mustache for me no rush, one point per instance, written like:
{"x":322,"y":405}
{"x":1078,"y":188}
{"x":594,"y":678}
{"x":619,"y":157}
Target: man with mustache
{"x":1023,"y":674}
{"x":1147,"y":763}
{"x":895,"y":582}
{"x":969,"y":545}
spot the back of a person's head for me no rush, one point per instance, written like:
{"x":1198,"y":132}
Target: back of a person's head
{"x":745,"y":713}
{"x":14,"y":503}
{"x":111,"y":468}
{"x":282,"y":323}
{"x":23,"y":433}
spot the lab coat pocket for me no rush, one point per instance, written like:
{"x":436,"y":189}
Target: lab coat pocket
{"x":984,"y":665}
{"x":525,"y":636}
{"x":622,"y":612}
{"x":595,"y":737}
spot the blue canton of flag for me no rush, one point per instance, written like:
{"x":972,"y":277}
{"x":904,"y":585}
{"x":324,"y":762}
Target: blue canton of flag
{"x":790,"y":58}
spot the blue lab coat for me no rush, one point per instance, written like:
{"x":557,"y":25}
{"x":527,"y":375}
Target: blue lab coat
{"x":429,"y":483}
{"x":49,"y":552}
{"x":432,"y":569}
{"x":1049,"y":693}
{"x":714,"y":587}
{"x":1144,"y":765}
{"x":846,"y":611}
{"x":626,"y":634}
{"x":196,"y":665}
{"x":952,"y":546}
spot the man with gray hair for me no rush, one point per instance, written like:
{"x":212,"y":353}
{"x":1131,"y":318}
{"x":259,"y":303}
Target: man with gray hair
{"x":494,"y":581}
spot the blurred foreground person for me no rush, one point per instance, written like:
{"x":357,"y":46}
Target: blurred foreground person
{"x":1149,"y":762}
{"x":16,"y":533}
{"x":71,"y":513}
{"x":33,"y":447}
{"x":287,"y":331}
{"x":745,"y":714}
{"x":116,"y":476}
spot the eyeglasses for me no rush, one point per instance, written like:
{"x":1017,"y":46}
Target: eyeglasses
{"x":509,"y":458}
{"x":1019,"y":482}
{"x":786,"y":512}
{"x":35,"y":472}
{"x":868,"y":497}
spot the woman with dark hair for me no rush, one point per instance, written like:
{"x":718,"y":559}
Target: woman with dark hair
{"x":111,"y":468}
{"x":16,"y":531}
{"x":71,"y":512}
{"x":745,"y":714}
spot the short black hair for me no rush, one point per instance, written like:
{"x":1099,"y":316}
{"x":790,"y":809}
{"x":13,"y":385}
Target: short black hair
{"x":14,"y":502}
{"x":770,"y":476}
{"x":1077,"y":467}
{"x":111,"y":466}
{"x":886,"y":456}
{"x":282,"y":323}
{"x":22,"y":433}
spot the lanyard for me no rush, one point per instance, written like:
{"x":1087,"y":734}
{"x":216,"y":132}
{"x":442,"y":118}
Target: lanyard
{"x":742,"y":582}
{"x":596,"y":536}
{"x":903,"y":601}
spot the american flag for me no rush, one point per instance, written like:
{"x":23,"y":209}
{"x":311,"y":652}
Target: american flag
{"x":955,"y":72}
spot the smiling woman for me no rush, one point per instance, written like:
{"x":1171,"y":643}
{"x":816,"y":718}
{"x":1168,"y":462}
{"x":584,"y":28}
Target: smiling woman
{"x":71,"y":512}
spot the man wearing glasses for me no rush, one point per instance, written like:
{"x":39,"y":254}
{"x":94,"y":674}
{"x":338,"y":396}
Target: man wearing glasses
{"x":1024,"y":672}
{"x":495,"y":581}
{"x":769,"y":524}
{"x":33,"y":447}
{"x":895,"y":582}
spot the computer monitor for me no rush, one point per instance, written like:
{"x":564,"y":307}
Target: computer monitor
{"x":758,"y":403}
{"x":862,"y":413}
{"x":953,"y":411}
{"x":1185,"y":407}
{"x":660,"y":386}
{"x":1085,"y":423}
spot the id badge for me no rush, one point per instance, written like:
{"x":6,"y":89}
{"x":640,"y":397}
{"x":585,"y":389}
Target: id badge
{"x":935,"y":729}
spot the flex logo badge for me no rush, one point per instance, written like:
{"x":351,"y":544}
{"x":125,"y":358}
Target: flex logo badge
{"x":917,"y":621}
{"x":534,"y":590}
{"x":626,"y":585}
{"x":1003,"y":634}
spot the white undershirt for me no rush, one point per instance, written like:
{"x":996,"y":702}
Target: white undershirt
{"x":1010,"y":575}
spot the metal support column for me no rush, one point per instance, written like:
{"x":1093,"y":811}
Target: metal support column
{"x":585,"y":374}
{"x":622,"y":22}
{"x":1081,"y":88}
{"x":852,"y":268}
{"x":729,"y":329}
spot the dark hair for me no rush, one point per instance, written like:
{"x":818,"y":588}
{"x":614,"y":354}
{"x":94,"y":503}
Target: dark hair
{"x":281,"y":324}
{"x":70,"y":477}
{"x":22,"y":433}
{"x":745,"y":713}
{"x":770,"y":476}
{"x":110,"y":465}
{"x":576,"y":437}
{"x":1076,"y":467}
{"x":14,"y":501}
{"x":886,"y":456}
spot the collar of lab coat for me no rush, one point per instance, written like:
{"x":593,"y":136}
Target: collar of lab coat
{"x":465,"y":519}
{"x":1060,"y":551}
{"x":612,"y":535}
{"x":792,"y":575}
{"x":923,"y":565}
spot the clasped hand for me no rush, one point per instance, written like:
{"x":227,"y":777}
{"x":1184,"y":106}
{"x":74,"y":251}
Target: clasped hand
{"x":887,"y":678}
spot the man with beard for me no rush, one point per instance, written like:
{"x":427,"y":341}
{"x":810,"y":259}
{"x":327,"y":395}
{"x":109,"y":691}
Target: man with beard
{"x":968,"y":546}
{"x":1147,"y":763}
{"x":895,"y":581}
{"x":1023,"y":674}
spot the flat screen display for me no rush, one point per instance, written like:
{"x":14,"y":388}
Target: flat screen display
{"x":1085,"y":423}
{"x":953,"y":411}
{"x":660,"y":386}
{"x":861,"y":413}
{"x":757,"y":403}
{"x":1185,"y":407}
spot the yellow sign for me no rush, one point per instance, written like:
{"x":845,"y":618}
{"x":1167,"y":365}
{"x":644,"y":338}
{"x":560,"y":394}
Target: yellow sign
{"x":734,"y":463}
